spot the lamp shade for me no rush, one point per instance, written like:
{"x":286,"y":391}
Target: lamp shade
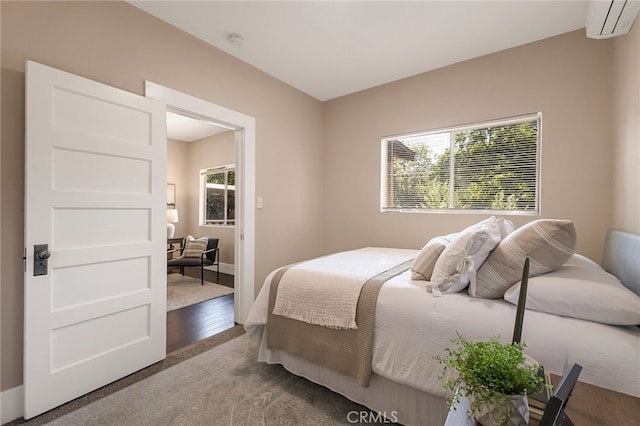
{"x":172,"y":215}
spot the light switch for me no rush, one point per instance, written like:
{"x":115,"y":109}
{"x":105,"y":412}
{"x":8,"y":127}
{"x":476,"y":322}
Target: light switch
{"x":259,"y":202}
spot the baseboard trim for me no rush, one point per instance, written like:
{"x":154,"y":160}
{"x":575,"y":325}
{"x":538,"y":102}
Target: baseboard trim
{"x":225,"y":268}
{"x":11,"y":404}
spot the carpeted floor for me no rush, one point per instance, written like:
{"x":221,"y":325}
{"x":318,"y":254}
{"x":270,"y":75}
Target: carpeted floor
{"x":222,"y":386}
{"x":173,"y":358}
{"x":185,"y":291}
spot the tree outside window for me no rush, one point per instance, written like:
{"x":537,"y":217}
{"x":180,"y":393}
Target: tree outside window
{"x":494,"y":168}
{"x":219,"y":196}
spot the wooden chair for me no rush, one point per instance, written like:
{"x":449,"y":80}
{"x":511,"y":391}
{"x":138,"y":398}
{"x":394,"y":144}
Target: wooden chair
{"x":209,"y":258}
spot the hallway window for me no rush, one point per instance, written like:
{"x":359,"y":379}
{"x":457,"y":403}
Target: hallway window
{"x":217,"y":196}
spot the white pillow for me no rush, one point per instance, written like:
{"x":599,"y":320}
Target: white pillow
{"x":585,"y":262}
{"x":506,"y":227}
{"x":195,"y":247}
{"x":422,"y":267}
{"x":460,"y":260}
{"x":581,"y":289}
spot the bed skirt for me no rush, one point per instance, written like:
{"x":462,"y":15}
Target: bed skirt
{"x":395,"y":401}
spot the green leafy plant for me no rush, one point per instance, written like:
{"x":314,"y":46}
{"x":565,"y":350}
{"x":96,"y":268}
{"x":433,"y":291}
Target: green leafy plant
{"x":486,"y":371}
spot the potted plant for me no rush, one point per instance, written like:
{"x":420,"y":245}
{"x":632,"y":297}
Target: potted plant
{"x":494,"y":376}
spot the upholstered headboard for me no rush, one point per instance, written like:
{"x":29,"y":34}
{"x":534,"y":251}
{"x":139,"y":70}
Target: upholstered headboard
{"x":622,"y":258}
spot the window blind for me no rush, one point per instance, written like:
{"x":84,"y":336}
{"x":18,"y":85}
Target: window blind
{"x":491,"y":166}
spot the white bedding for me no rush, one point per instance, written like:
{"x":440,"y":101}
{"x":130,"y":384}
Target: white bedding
{"x":412,"y":326}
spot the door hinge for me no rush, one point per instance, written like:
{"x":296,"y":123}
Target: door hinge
{"x":24,"y":259}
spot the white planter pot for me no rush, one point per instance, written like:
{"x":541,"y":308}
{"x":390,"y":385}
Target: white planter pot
{"x":509,"y":410}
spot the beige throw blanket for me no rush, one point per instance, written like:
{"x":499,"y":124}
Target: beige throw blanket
{"x":325,"y":291}
{"x":346,"y":351}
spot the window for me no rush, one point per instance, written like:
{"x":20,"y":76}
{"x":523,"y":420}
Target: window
{"x":217,"y":198}
{"x":494,"y":168}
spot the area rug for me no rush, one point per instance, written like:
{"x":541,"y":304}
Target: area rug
{"x":173,"y":358}
{"x":223,"y":386}
{"x":185,"y":291}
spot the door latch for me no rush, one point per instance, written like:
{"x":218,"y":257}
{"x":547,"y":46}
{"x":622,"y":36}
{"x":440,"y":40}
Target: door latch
{"x":41,"y":259}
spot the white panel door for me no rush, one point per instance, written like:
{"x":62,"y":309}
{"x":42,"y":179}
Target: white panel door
{"x":95,"y":194}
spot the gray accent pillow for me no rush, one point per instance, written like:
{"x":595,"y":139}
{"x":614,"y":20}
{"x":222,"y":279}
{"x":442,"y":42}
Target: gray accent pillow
{"x":423,"y":264}
{"x":549,"y":243}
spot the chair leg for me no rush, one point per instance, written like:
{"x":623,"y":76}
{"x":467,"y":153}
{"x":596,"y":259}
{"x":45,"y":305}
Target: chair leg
{"x":201,"y":275}
{"x":218,"y":272}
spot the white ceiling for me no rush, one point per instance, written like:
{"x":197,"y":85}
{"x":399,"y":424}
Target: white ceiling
{"x":187,"y":129}
{"x":329,"y":49}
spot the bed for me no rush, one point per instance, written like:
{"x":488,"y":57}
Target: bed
{"x":412,"y":325}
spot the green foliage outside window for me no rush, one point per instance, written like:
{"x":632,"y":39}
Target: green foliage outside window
{"x":494,"y":168}
{"x":219,"y":197}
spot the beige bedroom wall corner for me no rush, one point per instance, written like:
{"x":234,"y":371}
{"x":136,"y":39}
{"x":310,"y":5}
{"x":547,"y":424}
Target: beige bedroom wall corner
{"x":177,"y":161}
{"x":626,"y":130}
{"x":567,"y":78}
{"x":118,"y":44}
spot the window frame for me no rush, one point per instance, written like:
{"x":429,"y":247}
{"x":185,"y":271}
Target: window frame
{"x":452,"y":130}
{"x":202,"y":220}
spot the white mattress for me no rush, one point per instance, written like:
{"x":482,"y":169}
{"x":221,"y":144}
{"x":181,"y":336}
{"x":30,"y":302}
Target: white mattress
{"x":412,"y":326}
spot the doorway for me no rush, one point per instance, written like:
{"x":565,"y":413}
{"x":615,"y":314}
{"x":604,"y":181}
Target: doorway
{"x":244,"y":144}
{"x":200,"y":203}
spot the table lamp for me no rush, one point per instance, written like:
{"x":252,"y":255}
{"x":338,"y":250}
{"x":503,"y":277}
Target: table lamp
{"x":172,"y":217}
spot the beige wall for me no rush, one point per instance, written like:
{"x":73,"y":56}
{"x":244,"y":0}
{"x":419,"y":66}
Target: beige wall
{"x":567,"y":78}
{"x":118,"y":44}
{"x":11,"y":226}
{"x":626,"y":130}
{"x":177,"y":170}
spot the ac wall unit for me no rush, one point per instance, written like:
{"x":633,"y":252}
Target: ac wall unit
{"x":610,"y":18}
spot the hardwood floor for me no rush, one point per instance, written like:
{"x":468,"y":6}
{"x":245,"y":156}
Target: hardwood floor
{"x":196,"y":322}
